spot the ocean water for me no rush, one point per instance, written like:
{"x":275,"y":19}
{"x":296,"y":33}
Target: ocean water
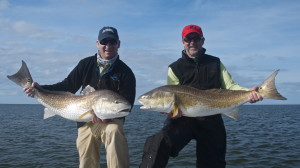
{"x":264,"y":136}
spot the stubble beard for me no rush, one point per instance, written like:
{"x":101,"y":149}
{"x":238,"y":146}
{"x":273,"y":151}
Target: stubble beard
{"x":191,"y":52}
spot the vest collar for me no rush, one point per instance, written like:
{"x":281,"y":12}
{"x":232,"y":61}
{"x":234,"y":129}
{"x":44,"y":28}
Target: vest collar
{"x":199,"y":58}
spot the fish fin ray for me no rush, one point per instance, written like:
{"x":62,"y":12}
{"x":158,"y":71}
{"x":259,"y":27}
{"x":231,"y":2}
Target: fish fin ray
{"x":84,"y":114}
{"x":22,"y":77}
{"x":87,"y":90}
{"x":175,"y":111}
{"x":233,"y":113}
{"x":48,"y":113}
{"x":57,"y":92}
{"x":268,"y":89}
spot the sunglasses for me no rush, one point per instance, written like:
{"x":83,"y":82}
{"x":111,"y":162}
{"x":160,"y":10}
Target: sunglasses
{"x":110,"y":41}
{"x":190,"y":39}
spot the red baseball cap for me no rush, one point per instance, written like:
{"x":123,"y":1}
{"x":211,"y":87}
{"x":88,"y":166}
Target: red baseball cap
{"x":191,"y":29}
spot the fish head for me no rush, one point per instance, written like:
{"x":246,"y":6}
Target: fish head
{"x":157,"y":100}
{"x":111,"y":106}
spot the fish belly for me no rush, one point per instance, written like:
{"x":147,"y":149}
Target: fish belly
{"x":201,"y":111}
{"x":73,"y":114}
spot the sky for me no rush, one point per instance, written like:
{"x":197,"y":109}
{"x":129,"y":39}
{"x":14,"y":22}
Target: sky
{"x":252,"y":38}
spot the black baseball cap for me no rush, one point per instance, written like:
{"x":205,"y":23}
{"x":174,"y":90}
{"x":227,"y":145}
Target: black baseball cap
{"x":108,"y":32}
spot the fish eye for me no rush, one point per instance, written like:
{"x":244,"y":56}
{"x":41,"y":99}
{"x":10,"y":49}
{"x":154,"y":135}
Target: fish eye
{"x":117,"y":102}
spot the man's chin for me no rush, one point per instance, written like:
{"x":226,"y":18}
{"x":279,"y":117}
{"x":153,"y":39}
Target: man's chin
{"x":193,"y":53}
{"x":109,"y":55}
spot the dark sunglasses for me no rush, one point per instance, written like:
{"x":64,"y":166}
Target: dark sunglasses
{"x":190,"y":39}
{"x":110,"y":41}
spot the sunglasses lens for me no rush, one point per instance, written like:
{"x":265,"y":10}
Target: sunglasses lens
{"x":190,"y":39}
{"x":187,"y":39}
{"x":110,"y":41}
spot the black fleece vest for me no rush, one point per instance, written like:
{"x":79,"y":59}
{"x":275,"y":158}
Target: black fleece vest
{"x":203,"y":72}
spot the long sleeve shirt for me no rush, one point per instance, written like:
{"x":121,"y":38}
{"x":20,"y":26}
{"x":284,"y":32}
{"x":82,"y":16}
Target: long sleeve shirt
{"x":225,"y":78}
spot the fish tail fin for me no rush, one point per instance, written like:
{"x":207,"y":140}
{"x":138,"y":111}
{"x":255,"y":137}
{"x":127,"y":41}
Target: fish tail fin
{"x":22,"y":77}
{"x":268,"y":89}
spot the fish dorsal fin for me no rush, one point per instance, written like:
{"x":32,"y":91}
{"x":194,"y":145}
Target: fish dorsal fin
{"x":55,"y":92}
{"x":48,"y":113}
{"x":213,"y":90}
{"x":87,"y":90}
{"x":233,"y":113}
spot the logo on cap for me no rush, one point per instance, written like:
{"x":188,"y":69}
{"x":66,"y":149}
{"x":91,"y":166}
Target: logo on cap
{"x":108,"y":29}
{"x":108,"y":32}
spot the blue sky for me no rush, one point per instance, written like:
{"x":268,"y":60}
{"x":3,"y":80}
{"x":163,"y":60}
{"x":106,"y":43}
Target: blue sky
{"x":252,"y":38}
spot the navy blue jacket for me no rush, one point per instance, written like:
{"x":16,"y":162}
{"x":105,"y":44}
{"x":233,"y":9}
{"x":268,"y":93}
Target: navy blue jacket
{"x":120,"y":79}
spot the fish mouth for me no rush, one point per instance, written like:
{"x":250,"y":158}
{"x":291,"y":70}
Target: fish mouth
{"x":125,"y":110}
{"x":144,"y":107}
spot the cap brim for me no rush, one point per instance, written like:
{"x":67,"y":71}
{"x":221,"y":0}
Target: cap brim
{"x":107,"y":36}
{"x":192,"y":31}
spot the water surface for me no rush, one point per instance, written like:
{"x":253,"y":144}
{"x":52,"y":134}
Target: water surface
{"x":264,"y":136}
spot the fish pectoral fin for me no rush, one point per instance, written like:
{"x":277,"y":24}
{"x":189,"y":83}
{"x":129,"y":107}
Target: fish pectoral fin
{"x":233,"y":114}
{"x":48,"y":113}
{"x":175,"y":110}
{"x":84,"y":114}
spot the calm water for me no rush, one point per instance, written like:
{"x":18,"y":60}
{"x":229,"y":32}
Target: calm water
{"x":264,"y":136}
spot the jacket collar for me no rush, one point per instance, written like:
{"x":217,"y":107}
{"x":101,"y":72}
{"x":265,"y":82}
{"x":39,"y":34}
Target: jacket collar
{"x":199,"y":58}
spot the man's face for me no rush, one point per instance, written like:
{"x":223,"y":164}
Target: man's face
{"x":108,"y":48}
{"x":193,"y":44}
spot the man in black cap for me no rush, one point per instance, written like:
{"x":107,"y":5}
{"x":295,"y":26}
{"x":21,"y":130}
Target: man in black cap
{"x":104,"y":70}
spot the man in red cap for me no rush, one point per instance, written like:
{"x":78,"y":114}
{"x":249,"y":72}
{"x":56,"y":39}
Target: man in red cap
{"x":202,"y":71}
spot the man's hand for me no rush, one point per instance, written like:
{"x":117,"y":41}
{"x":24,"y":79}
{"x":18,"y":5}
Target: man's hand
{"x":254,"y":96}
{"x":31,"y":91}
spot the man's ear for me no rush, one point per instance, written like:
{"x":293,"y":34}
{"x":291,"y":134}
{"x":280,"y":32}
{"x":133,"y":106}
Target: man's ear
{"x":97,"y":43}
{"x":203,"y":39}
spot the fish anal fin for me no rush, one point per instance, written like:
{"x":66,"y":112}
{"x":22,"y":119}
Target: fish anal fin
{"x":84,"y":114}
{"x":48,"y":113}
{"x":233,"y":113}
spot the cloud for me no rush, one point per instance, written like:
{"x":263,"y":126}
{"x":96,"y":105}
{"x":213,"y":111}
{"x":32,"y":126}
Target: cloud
{"x":3,"y":5}
{"x":28,"y":30}
{"x":252,"y":38}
